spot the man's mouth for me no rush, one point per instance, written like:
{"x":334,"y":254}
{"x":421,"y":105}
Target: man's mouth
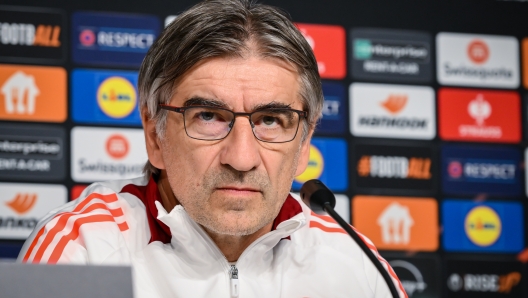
{"x":238,"y":190}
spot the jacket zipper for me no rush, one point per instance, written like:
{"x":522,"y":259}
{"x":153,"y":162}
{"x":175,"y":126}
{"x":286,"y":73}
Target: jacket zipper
{"x":233,"y":270}
{"x":234,"y":281}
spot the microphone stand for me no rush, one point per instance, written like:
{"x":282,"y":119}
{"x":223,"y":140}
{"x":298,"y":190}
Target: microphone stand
{"x":316,"y":193}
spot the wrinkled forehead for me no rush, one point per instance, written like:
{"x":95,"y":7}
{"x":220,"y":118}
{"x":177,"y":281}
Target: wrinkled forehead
{"x":240,"y":83}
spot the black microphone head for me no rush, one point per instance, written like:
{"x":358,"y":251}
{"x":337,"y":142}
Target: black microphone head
{"x":315,"y":194}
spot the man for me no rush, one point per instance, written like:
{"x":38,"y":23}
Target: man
{"x":229,"y":97}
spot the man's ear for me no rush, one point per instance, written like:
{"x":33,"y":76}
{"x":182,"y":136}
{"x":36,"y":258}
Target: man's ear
{"x":152,"y":141}
{"x":304,"y":155}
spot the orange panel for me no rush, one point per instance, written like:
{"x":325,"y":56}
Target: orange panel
{"x":33,"y":93}
{"x":397,"y":223}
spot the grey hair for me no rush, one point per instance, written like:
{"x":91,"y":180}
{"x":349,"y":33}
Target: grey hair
{"x":225,"y":28}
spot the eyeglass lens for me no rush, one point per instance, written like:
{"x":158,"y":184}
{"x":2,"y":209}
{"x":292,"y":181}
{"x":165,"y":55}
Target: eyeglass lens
{"x":209,"y":123}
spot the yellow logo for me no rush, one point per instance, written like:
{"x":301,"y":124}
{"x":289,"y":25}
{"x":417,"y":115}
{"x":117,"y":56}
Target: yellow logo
{"x":483,"y":226}
{"x":315,"y":166}
{"x":116,"y":97}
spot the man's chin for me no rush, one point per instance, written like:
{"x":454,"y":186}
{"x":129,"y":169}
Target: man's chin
{"x":234,"y":223}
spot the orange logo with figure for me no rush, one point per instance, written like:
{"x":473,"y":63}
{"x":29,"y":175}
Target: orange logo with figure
{"x":395,"y":103}
{"x":22,"y":203}
{"x":32,"y":93}
{"x":397,"y":223}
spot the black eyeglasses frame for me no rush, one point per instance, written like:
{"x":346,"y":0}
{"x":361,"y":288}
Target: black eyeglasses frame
{"x":181,"y":110}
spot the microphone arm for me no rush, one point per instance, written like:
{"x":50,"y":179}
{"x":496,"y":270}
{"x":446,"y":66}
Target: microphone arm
{"x":319,"y":197}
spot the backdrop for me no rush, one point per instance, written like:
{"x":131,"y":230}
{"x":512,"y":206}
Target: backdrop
{"x":423,"y":135}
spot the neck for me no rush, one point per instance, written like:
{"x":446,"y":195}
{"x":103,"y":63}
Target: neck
{"x":168,"y":200}
{"x":231,"y":246}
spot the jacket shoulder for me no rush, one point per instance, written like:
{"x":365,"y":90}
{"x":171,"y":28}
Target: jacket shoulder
{"x":102,"y":225}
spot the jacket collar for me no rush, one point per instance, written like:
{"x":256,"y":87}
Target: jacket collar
{"x":290,"y":218}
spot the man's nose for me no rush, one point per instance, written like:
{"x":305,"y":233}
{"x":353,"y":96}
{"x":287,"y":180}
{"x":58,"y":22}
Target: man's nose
{"x":241,"y":148}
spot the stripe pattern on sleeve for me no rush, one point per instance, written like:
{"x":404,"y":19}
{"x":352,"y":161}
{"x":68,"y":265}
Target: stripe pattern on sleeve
{"x":52,"y":239}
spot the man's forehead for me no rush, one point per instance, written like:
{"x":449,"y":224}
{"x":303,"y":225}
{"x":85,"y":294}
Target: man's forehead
{"x":239,"y":83}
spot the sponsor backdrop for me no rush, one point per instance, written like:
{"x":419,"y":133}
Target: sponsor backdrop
{"x":423,"y":136}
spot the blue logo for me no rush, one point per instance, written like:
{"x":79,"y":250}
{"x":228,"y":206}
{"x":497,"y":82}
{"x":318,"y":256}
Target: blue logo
{"x":328,"y":163}
{"x":334,"y":110}
{"x":105,"y":97}
{"x":482,"y":227}
{"x":112,"y":39}
{"x":480,"y":170}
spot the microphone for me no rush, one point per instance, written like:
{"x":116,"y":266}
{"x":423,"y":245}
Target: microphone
{"x":316,"y":195}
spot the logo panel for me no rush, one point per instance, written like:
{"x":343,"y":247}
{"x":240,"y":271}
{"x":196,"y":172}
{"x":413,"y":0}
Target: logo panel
{"x":32,"y":35}
{"x":105,"y":97}
{"x":392,"y":111}
{"x":475,"y":170}
{"x":392,"y":55}
{"x":334,"y":110}
{"x":394,"y":167}
{"x":100,"y":154}
{"x":23,"y":205}
{"x":419,"y":275}
{"x":397,"y":223}
{"x":112,"y":39}
{"x":479,"y":115}
{"x":328,"y":163}
{"x":328,"y":45}
{"x":482,"y":279}
{"x":482,"y":227}
{"x":32,"y":93}
{"x":30,"y":152}
{"x":477,"y":60}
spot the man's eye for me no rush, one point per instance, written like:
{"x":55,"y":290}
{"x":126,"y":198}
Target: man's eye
{"x":269,"y":120}
{"x":207,"y":116}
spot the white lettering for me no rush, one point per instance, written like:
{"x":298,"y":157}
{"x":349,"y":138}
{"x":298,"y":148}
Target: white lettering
{"x":32,"y":165}
{"x":487,"y":170}
{"x":481,"y":283}
{"x":389,"y":166}
{"x":398,"y":52}
{"x":494,"y":132}
{"x":17,"y":34}
{"x":120,"y":39}
{"x":407,"y":68}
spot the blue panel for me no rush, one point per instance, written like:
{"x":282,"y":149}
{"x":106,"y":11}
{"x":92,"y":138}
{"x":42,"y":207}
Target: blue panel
{"x":10,"y":250}
{"x":86,"y":103}
{"x":112,"y":39}
{"x":332,"y":169}
{"x":480,"y":169}
{"x":456,"y":221}
{"x":334,"y":110}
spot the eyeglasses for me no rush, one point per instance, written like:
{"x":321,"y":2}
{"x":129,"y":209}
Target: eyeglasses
{"x":212,"y":123}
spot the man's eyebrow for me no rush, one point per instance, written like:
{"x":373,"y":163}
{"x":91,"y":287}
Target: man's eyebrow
{"x":271,"y":105}
{"x":200,"y":101}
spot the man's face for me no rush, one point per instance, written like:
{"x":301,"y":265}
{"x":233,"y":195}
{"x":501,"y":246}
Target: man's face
{"x":237,"y":185}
